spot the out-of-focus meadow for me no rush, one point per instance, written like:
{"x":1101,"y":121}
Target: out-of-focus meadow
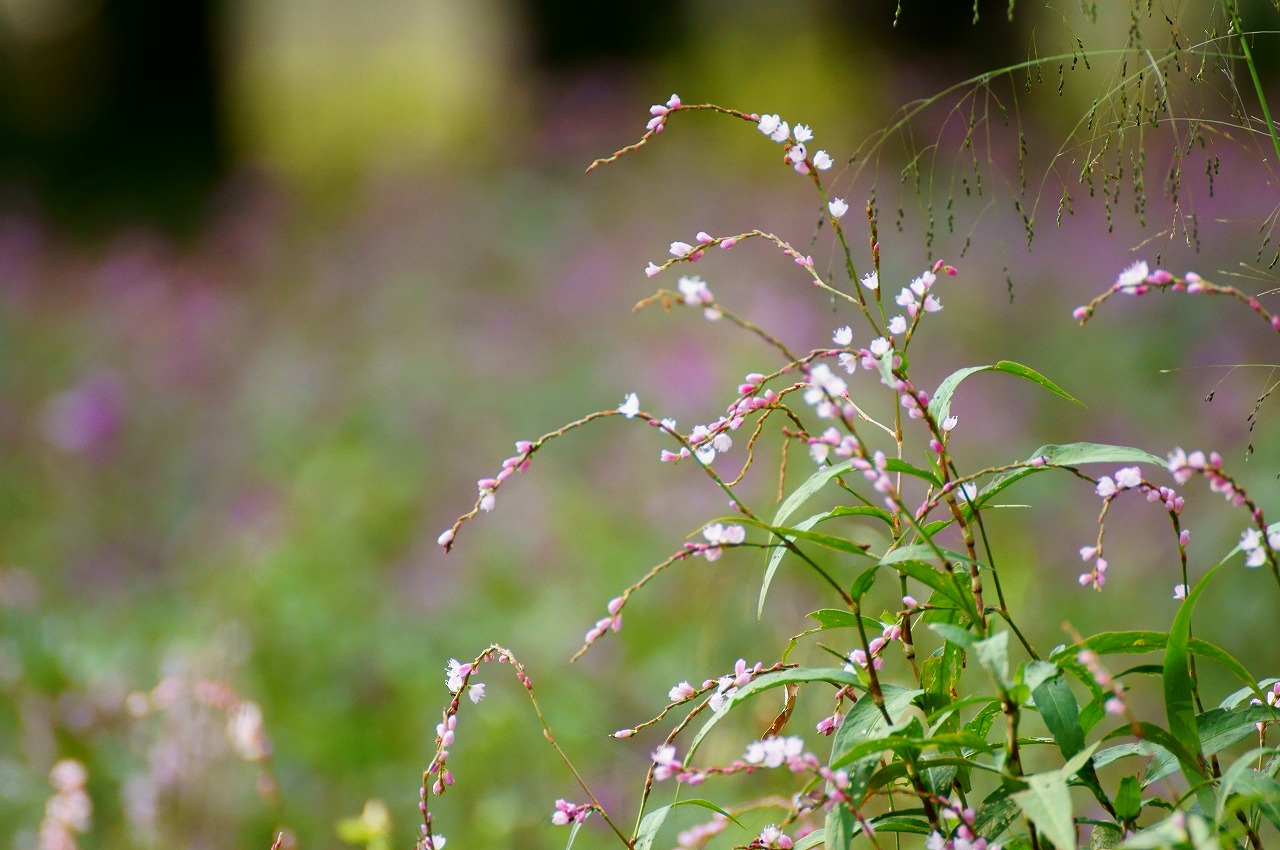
{"x":268,"y":311}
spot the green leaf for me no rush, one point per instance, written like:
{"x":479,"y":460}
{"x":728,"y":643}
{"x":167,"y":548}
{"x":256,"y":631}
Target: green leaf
{"x":900,"y":822}
{"x":1058,"y":708}
{"x":1179,"y":703}
{"x":1104,"y":837}
{"x":863,"y":583}
{"x":864,"y":718}
{"x":839,"y":828}
{"x":954,"y":634}
{"x":1136,"y":642}
{"x":861,"y":510}
{"x":653,"y":821}
{"x":1243,"y":786}
{"x":573,"y":833}
{"x":649,"y":826}
{"x":835,"y":618}
{"x":768,"y":681}
{"x":940,"y":404}
{"x":1128,"y":803}
{"x":943,"y":583}
{"x":1047,"y":804}
{"x":1065,"y":455}
{"x":817,"y":838}
{"x":1157,"y":735}
{"x":995,"y":814}
{"x":894,"y":464}
{"x":993,"y":656}
{"x":1218,"y":729}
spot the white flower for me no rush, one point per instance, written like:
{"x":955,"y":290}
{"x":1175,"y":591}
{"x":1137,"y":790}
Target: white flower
{"x":768,"y":124}
{"x":781,"y":133}
{"x":1130,"y":476}
{"x":245,"y":732}
{"x":871,"y":280}
{"x":681,"y":249}
{"x":843,"y":336}
{"x":454,"y":675}
{"x":797,"y":154}
{"x":630,"y":406}
{"x":950,"y":422}
{"x":822,"y":161}
{"x":802,"y":133}
{"x":476,"y":692}
{"x":1134,"y":274}
{"x":838,"y":207}
{"x":694,"y":290}
{"x":1106,"y":487}
{"x":879,"y":347}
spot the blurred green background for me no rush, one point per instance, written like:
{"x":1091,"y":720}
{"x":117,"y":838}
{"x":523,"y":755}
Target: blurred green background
{"x":280,"y":279}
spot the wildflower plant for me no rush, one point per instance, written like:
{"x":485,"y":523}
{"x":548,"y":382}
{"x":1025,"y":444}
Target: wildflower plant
{"x":944,"y":725}
{"x":915,"y":747}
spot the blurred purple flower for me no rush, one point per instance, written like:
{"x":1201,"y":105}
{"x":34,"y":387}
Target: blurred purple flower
{"x":86,"y":419}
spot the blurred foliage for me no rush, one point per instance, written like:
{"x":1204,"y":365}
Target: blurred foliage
{"x":228,"y":456}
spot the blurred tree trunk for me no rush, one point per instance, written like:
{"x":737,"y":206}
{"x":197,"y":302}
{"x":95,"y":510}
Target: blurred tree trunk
{"x":108,"y":108}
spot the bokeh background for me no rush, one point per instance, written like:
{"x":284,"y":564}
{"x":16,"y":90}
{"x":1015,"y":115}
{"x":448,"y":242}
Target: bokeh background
{"x":280,"y":279}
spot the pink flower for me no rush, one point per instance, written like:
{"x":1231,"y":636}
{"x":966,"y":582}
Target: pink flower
{"x":1133,"y":275}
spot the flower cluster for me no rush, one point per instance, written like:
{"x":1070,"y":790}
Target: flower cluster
{"x":860,"y":658}
{"x":518,"y":462}
{"x":727,"y":686}
{"x":660,"y":111}
{"x":964,"y":837}
{"x":456,"y":676}
{"x":695,"y":293}
{"x":719,"y":536}
{"x":1139,"y":279}
{"x":776,"y":751}
{"x":1183,"y":466}
{"x":1115,"y":704}
{"x":684,"y":251}
{"x":1107,"y":488}
{"x":567,"y":813}
{"x":68,"y":811}
{"x":794,"y":141}
{"x":772,"y":837}
{"x":831,"y":442}
{"x":697,"y":836}
{"x":1273,"y":700}
{"x":613,"y":622}
{"x":1255,"y":546}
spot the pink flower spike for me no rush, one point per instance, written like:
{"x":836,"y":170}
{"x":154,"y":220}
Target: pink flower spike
{"x":446,"y":539}
{"x":655,"y":123}
{"x":704,"y":237}
{"x":652,"y":270}
{"x":658,"y":109}
{"x":1159,"y":277}
{"x":615,"y":605}
{"x":1184,"y":537}
{"x":728,"y":243}
{"x":1080,"y":314}
{"x":674,"y":101}
{"x":623,"y":733}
